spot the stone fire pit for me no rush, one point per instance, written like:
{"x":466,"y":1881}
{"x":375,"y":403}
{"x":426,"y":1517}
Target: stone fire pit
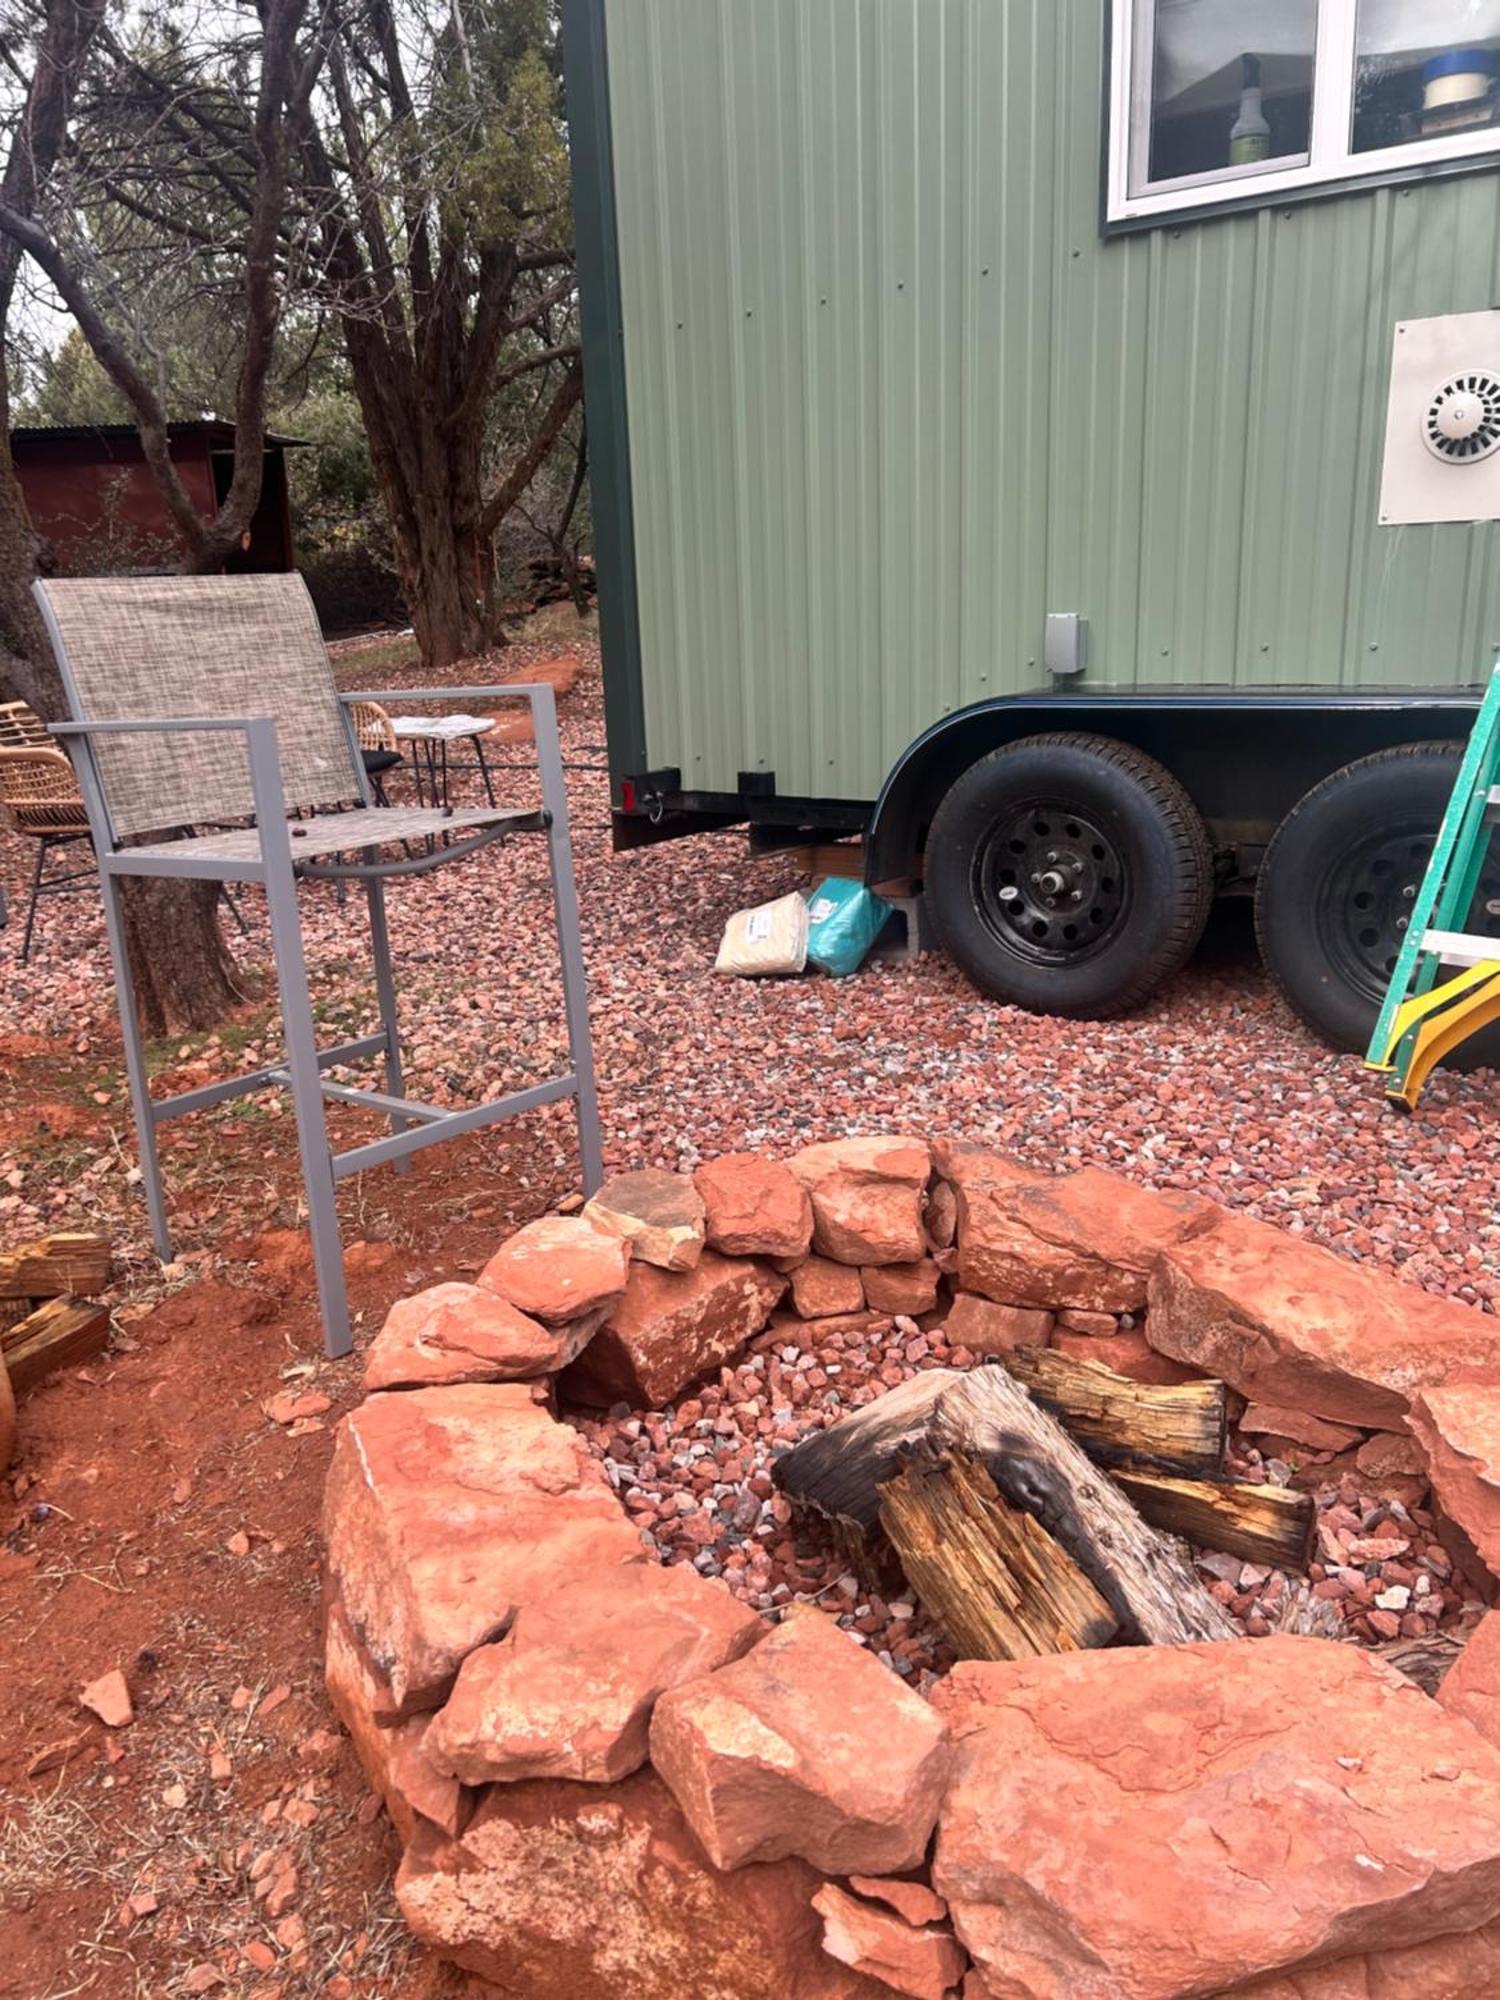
{"x":643,"y":1734}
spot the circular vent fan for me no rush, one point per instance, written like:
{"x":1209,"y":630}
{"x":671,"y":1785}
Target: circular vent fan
{"x":1462,"y":423}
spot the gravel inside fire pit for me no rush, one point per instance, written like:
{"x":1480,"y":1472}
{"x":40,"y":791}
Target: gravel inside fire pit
{"x":696,"y":1478}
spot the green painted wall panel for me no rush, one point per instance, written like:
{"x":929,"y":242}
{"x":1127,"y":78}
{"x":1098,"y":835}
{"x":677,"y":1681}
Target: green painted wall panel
{"x":891,"y":396}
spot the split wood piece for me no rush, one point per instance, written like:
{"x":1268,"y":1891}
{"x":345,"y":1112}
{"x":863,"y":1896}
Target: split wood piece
{"x":73,"y":1260}
{"x":1146,"y":1577}
{"x":1178,"y":1426}
{"x":59,"y":1334}
{"x":837,"y":1473}
{"x":1260,"y":1524}
{"x":992,"y":1577}
{"x":1425,"y":1661}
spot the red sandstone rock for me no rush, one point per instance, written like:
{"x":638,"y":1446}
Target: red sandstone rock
{"x":558,"y":1268}
{"x":1459,"y":1430}
{"x":1128,"y":1354}
{"x":1285,"y":1322}
{"x":777,"y":1755}
{"x":867,"y":1198}
{"x":465,"y":1333}
{"x":902,"y":1288}
{"x":568,"y":1692}
{"x":108,"y":1697}
{"x":671,"y":1327}
{"x":1465,"y":1966}
{"x":660,"y":1215}
{"x":448,"y":1509}
{"x":391,"y":1758}
{"x":922,"y":1962}
{"x":1275,"y":1420}
{"x":1471,"y":1686}
{"x":556,"y":1892}
{"x":986,"y":1328}
{"x":1285,"y":1801}
{"x":1104,"y":1325}
{"x":1388,"y":1453}
{"x":1079,"y":1242}
{"x":821,"y":1288}
{"x":941,"y":1217}
{"x":912,"y":1900}
{"x":755,"y":1207}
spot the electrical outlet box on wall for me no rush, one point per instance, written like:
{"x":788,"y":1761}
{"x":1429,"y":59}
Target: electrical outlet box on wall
{"x":1442,"y":434}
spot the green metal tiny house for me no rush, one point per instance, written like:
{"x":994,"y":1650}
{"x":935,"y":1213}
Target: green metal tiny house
{"x":890,"y":359}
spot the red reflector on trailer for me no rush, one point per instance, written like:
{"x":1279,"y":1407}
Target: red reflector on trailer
{"x":627,"y":794}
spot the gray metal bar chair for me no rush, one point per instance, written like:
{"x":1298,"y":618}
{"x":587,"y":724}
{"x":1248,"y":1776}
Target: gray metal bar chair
{"x":201,"y":701}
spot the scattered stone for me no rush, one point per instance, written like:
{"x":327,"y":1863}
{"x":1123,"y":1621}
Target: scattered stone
{"x":821,"y":1288}
{"x":987,"y":1328}
{"x":292,"y":1406}
{"x":660,"y":1215}
{"x":467,"y":1333}
{"x":109,"y":1699}
{"x":272,"y":1700}
{"x":671,"y":1327}
{"x":773,"y":1755}
{"x":448,"y":1509}
{"x":568,"y":1692}
{"x":867,"y":1197}
{"x":1295,"y":1425}
{"x":942,"y":1215}
{"x":556,"y":1891}
{"x":754,"y":1207}
{"x":1082,"y":1241}
{"x":1220,"y":1762}
{"x":1287,"y":1323}
{"x":53,"y":1756}
{"x":238,"y":1543}
{"x":1459,"y":1430}
{"x":392,"y":1758}
{"x":1387,"y":1454}
{"x":559,"y":1268}
{"x":925,"y":1962}
{"x":912,"y":1900}
{"x":902,"y":1288}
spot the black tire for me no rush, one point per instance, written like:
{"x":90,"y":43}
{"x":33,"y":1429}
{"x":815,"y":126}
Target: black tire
{"x":1340,"y":876}
{"x":1068,"y":875}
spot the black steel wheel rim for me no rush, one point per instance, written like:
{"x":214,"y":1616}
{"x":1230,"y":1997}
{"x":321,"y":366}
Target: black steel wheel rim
{"x":1366,"y":901}
{"x":1049,"y":884}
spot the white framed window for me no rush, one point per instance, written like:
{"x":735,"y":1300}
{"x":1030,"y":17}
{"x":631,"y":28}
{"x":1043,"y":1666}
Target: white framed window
{"x":1218,"y":103}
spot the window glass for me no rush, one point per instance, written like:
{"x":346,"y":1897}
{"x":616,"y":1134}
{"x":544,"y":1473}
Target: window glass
{"x":1424,"y":69}
{"x":1231,"y":85}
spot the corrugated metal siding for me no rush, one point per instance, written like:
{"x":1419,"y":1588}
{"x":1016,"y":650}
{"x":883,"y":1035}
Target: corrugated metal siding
{"x":892,"y":398}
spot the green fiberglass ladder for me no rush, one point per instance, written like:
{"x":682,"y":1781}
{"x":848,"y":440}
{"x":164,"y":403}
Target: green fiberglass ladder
{"x":1424,"y":1017}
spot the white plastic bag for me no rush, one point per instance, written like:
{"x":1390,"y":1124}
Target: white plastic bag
{"x":767,"y":941}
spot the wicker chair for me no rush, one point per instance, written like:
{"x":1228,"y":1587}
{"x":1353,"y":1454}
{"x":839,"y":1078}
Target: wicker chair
{"x":41,"y":799}
{"x":378,"y":749}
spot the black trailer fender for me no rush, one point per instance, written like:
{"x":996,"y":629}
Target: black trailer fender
{"x":1244,"y":758}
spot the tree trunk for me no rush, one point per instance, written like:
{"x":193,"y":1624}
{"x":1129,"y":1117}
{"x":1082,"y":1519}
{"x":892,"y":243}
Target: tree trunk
{"x":185,"y":978}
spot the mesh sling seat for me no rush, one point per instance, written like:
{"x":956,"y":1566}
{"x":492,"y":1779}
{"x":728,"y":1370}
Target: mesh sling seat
{"x":209,"y":702}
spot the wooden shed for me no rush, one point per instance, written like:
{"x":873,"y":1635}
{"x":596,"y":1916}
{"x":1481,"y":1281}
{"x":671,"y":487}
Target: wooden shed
{"x":92,"y":496}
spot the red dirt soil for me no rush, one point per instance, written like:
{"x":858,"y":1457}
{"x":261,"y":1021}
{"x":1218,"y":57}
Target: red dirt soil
{"x":137,"y":1479}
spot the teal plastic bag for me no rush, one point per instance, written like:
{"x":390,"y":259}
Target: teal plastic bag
{"x":844,"y":920}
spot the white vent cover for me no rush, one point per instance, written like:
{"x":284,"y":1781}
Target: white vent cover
{"x":1442,"y":438}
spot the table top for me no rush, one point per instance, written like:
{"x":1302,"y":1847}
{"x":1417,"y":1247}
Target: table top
{"x":441,"y":728}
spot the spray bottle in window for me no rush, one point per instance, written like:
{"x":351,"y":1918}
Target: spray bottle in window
{"x":1249,"y":135}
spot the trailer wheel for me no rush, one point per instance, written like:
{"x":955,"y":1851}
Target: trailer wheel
{"x":1068,"y":874}
{"x":1337,"y":886}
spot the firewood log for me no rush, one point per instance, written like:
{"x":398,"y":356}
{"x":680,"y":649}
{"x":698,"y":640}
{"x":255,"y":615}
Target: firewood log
{"x":991,"y":1576}
{"x":1179,"y":1426}
{"x":1260,"y":1524}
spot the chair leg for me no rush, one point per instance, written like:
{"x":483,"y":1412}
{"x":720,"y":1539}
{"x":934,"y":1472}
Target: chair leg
{"x":484,"y":769}
{"x":42,"y":847}
{"x":307,"y":1104}
{"x":135,"y":1068}
{"x":385,"y":991}
{"x":569,"y":944}
{"x":235,"y":911}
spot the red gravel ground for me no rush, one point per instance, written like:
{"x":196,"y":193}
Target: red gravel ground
{"x":160,"y":1521}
